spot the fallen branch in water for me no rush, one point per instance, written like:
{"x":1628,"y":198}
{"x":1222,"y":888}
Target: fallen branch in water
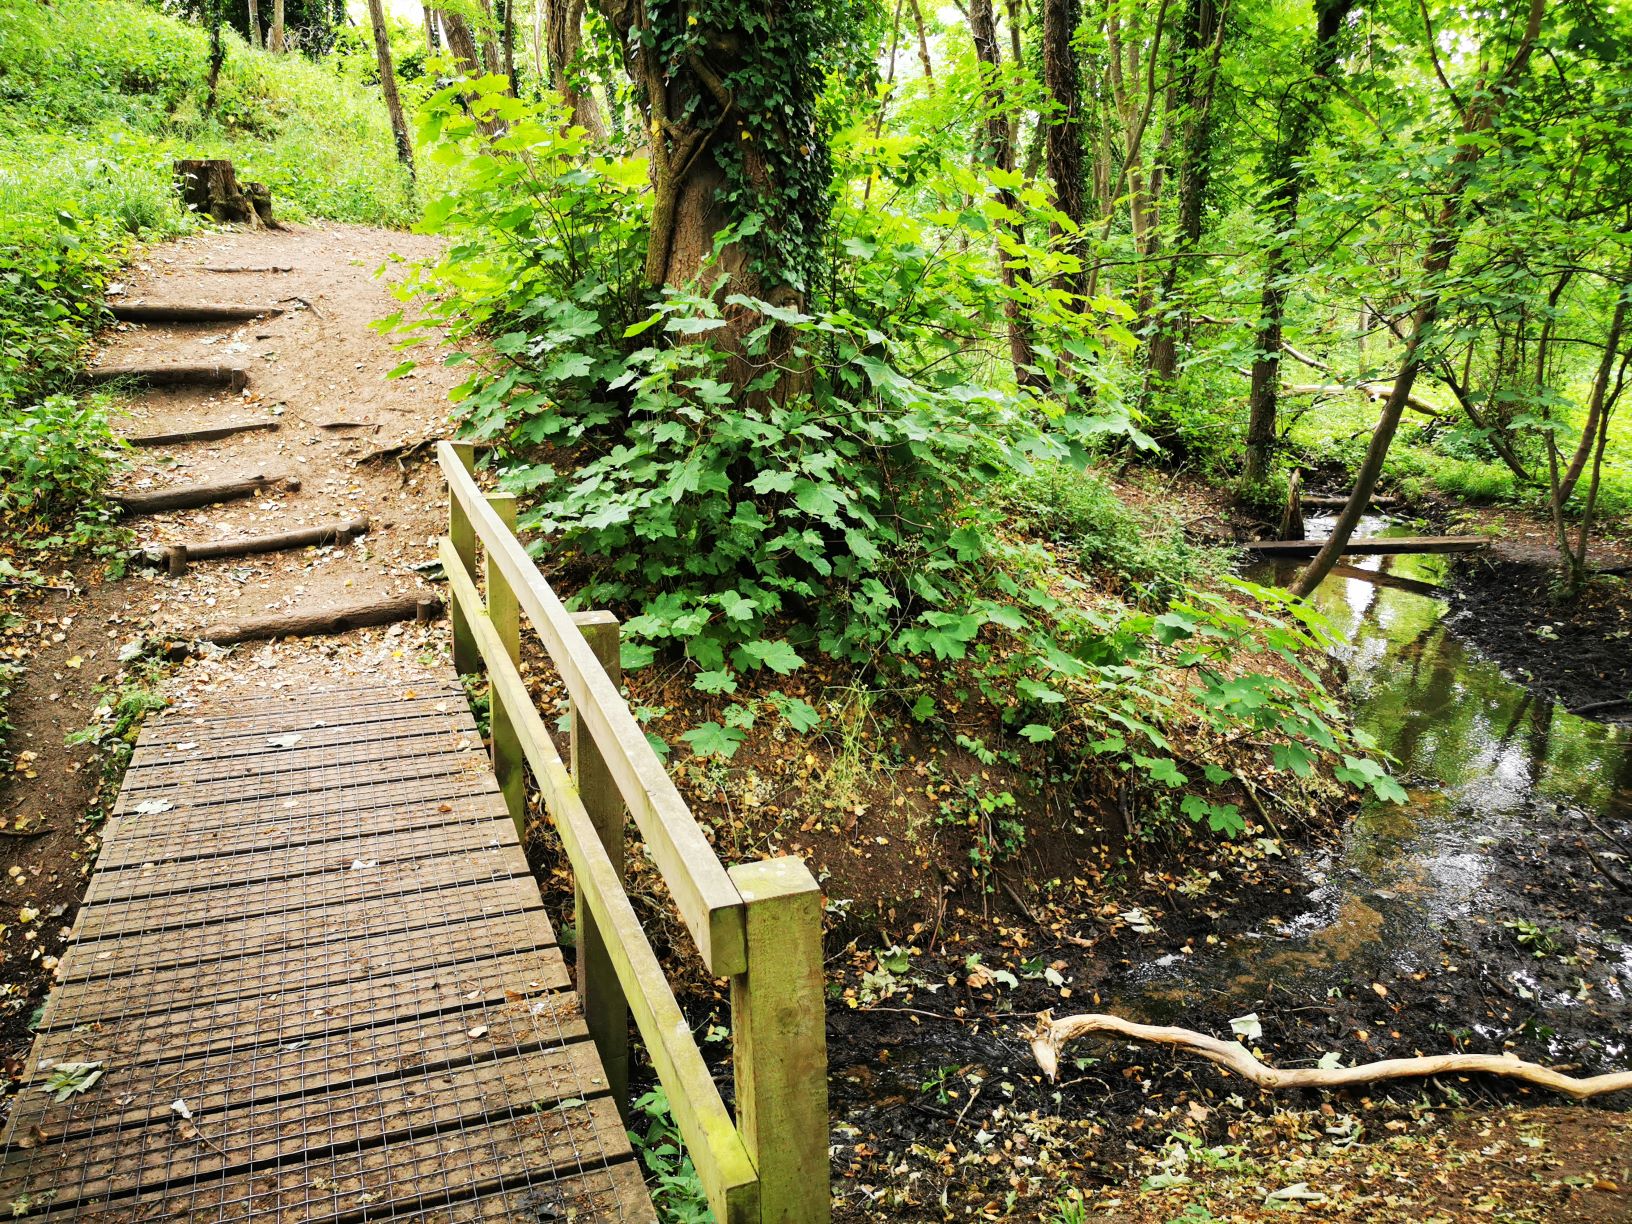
{"x":1052,"y":1035}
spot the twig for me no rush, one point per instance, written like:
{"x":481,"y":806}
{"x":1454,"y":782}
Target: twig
{"x":913,"y":1011}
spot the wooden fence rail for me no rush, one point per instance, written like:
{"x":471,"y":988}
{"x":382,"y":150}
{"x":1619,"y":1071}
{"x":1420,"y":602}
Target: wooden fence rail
{"x":758,"y":923}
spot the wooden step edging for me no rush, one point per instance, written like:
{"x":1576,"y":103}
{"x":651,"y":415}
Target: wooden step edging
{"x":161,"y":312}
{"x":190,"y":497}
{"x":161,"y":375}
{"x":178,"y":556}
{"x":205,"y":433}
{"x":771,"y":1163}
{"x":387,"y":611}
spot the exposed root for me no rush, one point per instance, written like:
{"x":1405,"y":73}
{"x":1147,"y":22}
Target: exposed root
{"x":1052,"y":1035}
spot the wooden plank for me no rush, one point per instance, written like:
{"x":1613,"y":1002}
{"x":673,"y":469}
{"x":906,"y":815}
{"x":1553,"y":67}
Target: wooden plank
{"x":701,"y":889}
{"x":230,"y":733}
{"x":542,"y":1156}
{"x":212,"y":831}
{"x":290,"y":930}
{"x":247,"y":712}
{"x":722,"y":1162}
{"x":390,"y":743}
{"x":1373,"y":546}
{"x":121,"y":1162}
{"x":243,"y":747}
{"x":212,"y":1081}
{"x":299,"y":882}
{"x":276,"y":973}
{"x":469,"y":772}
{"x":308,"y":1014}
{"x":614,"y":1193}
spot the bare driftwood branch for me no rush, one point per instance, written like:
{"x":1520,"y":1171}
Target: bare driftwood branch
{"x":1051,"y":1036}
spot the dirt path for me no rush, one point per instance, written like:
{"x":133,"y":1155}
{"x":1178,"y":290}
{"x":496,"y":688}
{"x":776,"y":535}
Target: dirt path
{"x":316,"y":365}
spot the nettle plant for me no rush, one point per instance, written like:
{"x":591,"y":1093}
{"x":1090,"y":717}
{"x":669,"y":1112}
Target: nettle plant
{"x":764,"y":484}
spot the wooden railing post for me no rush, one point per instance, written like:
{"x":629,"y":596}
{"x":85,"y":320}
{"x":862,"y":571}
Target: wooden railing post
{"x":606,"y":1011}
{"x":461,"y":532}
{"x":505,"y":613}
{"x":778,"y":1021}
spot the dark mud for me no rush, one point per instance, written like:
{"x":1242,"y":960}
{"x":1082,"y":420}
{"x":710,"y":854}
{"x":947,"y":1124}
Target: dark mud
{"x":1578,"y":652}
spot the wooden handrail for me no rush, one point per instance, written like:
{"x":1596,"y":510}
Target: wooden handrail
{"x":763,"y":919}
{"x":703,"y":893}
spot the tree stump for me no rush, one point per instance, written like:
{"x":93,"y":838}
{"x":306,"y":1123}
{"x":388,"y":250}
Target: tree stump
{"x":211,"y":186}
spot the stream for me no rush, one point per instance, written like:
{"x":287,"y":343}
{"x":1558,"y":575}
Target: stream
{"x":1483,"y":873}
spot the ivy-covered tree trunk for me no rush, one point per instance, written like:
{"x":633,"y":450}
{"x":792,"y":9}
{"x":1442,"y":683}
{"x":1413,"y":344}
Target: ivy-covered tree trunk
{"x":1063,"y":131}
{"x":1202,"y":47}
{"x":729,"y":91}
{"x":998,"y":152}
{"x":255,"y":24}
{"x":1285,"y":178}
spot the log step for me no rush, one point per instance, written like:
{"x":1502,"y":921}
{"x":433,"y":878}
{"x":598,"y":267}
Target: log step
{"x":322,"y":620}
{"x":230,"y":268}
{"x":235,"y":377}
{"x":177,"y":556}
{"x":177,"y":312}
{"x":1336,"y":501}
{"x":207,"y":433}
{"x":1373,"y":546}
{"x":188,"y":497}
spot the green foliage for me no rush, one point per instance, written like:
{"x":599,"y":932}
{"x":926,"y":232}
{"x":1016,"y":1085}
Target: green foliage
{"x":55,"y":458}
{"x":853,"y":508}
{"x":677,"y":1194}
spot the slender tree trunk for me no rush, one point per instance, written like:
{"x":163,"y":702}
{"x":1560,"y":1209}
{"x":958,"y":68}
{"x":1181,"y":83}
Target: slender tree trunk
{"x":564,"y":33}
{"x":1478,"y":117}
{"x":218,"y":57}
{"x":1596,"y":402}
{"x":430,"y":29}
{"x":1062,"y":138}
{"x":255,"y":24}
{"x":507,"y":43}
{"x":1281,"y":212}
{"x":274,"y":41}
{"x":923,"y":44}
{"x":388,"y":85}
{"x":999,"y":152}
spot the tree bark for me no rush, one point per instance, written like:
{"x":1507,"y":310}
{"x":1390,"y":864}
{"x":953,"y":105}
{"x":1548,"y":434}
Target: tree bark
{"x":1478,"y":116}
{"x":255,"y":24}
{"x":1281,"y":212}
{"x":323,"y":620}
{"x":923,"y":44}
{"x":1202,"y":41}
{"x":999,"y":153}
{"x":388,"y":85}
{"x":1062,"y":140}
{"x":274,"y":41}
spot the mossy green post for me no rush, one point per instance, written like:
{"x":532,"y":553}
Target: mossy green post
{"x":505,"y":614}
{"x":606,"y":1011}
{"x":462,"y":534}
{"x":780,"y":1035}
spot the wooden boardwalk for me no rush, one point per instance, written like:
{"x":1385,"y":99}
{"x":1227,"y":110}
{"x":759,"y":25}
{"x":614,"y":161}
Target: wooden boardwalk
{"x":316,"y":977}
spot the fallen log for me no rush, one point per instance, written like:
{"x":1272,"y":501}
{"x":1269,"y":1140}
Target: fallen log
{"x":1374,"y":390}
{"x":235,"y":377}
{"x":1603,"y":707}
{"x":1051,"y":1036}
{"x":235,"y":268}
{"x":325,"y":620}
{"x":1371,"y":546}
{"x":155,"y":312}
{"x":178,"y":556}
{"x":188,"y":497}
{"x":204,"y":433}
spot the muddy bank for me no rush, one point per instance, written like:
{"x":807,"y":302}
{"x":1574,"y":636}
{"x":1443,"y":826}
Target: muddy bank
{"x":1578,"y":652}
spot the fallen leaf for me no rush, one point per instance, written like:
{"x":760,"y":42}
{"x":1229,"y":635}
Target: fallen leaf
{"x":152,"y":807}
{"x":75,"y":663}
{"x":479,"y":1031}
{"x":286,"y":741}
{"x":179,"y":1106}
